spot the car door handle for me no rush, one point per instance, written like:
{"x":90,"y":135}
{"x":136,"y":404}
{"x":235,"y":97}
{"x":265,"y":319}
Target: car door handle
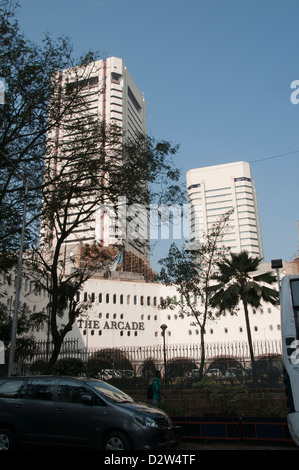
{"x":18,"y":405}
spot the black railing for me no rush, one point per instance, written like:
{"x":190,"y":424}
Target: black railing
{"x":224,"y":362}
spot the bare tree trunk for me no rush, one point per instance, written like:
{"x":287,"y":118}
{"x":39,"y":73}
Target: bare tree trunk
{"x":54,"y":356}
{"x":249,"y":340}
{"x":203,"y":352}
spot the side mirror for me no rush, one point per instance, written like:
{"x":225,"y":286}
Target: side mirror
{"x":86,"y":399}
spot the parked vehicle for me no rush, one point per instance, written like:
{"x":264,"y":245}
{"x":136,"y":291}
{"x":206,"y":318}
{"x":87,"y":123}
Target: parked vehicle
{"x":81,"y":412}
{"x":126,"y":373}
{"x":231,"y":372}
{"x":194,"y":373}
{"x":213,"y":373}
{"x":107,"y":374}
{"x":236,"y":372}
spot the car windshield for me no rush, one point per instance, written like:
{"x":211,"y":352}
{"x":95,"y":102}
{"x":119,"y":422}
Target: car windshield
{"x":110,"y":392}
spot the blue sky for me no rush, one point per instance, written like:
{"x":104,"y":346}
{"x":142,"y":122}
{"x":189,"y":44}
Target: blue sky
{"x":216,"y":75}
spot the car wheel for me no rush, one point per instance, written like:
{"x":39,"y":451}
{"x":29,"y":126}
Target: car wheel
{"x":7,"y":440}
{"x":117,"y":441}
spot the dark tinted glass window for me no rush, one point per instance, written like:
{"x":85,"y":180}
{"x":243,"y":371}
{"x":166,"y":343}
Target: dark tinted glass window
{"x":71,"y":391}
{"x":295,"y":292}
{"x":40,"y":389}
{"x":11,"y":388}
{"x":295,"y":299}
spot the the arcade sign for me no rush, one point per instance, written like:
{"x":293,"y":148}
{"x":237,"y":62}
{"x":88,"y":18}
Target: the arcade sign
{"x":110,"y":325}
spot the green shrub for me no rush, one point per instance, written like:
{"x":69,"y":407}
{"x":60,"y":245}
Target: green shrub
{"x":71,"y":366}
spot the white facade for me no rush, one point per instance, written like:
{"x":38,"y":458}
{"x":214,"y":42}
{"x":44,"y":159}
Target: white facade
{"x":34,"y":298}
{"x":127,"y":312}
{"x":214,"y":190}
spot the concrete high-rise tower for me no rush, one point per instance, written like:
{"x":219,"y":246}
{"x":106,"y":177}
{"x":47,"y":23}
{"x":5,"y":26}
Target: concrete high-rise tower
{"x":109,"y":96}
{"x":214,"y":190}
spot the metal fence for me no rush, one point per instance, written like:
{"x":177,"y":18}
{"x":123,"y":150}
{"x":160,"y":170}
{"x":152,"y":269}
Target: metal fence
{"x":238,"y":350}
{"x":179,"y":363}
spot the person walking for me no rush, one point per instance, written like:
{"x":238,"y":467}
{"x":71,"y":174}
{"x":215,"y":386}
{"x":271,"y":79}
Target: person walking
{"x":157,"y":394}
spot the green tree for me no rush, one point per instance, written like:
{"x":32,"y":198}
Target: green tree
{"x":62,"y":276}
{"x":92,"y":166}
{"x":190,"y":271}
{"x":28,"y":323}
{"x":30,"y":74}
{"x":237,"y":281}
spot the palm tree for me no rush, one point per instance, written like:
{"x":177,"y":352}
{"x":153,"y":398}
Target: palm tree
{"x":236,"y":282}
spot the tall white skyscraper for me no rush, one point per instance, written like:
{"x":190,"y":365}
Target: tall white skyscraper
{"x":214,"y":190}
{"x":109,"y":96}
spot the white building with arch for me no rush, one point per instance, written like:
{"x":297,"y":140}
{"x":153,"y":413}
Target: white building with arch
{"x":127,"y":312}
